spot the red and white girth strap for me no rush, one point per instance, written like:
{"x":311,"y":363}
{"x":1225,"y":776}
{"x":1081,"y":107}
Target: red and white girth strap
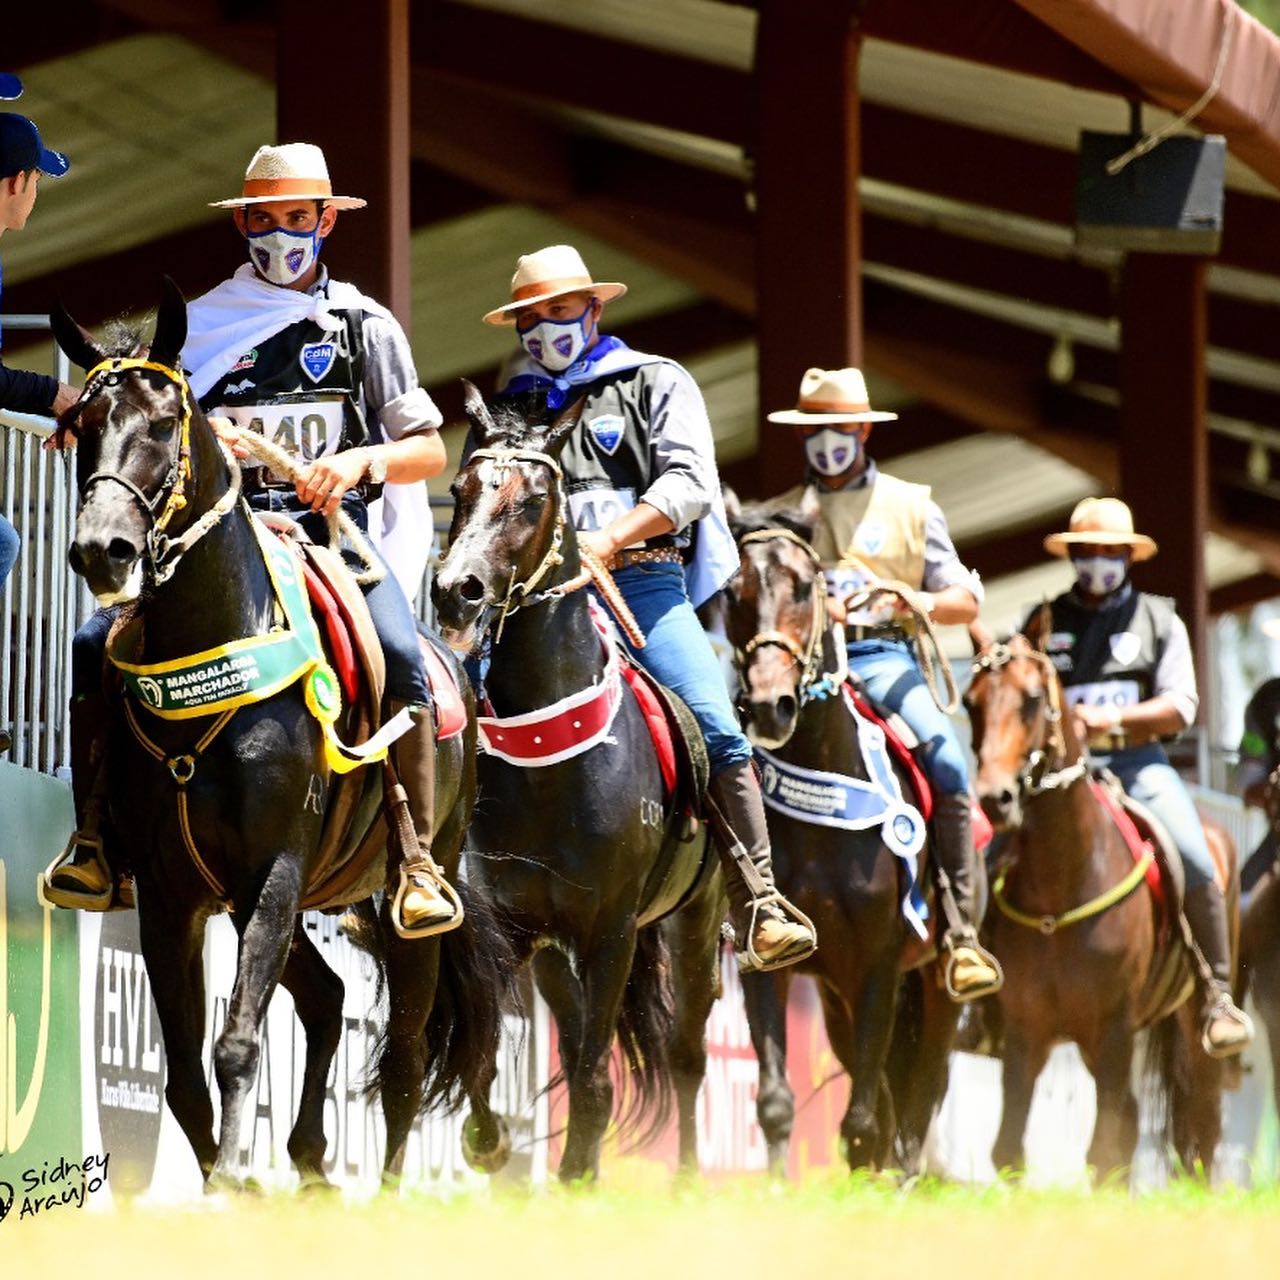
{"x":566,"y":728}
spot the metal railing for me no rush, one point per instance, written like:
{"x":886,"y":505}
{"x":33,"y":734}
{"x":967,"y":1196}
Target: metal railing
{"x":43,"y":602}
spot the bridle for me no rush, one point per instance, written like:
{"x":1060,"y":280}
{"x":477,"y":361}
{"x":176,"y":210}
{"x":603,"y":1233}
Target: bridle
{"x":1035,"y":776}
{"x":520,"y":594}
{"x":163,"y":553}
{"x":807,"y":658}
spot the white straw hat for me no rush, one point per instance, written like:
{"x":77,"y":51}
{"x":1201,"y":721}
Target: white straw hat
{"x":1101,"y":522}
{"x":555,"y":270}
{"x":831,"y":395}
{"x":294,"y":171}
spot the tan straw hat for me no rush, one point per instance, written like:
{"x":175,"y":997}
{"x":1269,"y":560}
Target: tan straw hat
{"x":831,"y":395}
{"x":294,"y":171}
{"x":1101,"y":522}
{"x":555,"y":270}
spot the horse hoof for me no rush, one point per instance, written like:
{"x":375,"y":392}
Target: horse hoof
{"x":313,"y":1183}
{"x":491,"y":1159}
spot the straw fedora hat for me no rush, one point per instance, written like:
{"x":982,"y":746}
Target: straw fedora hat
{"x":294,"y":171}
{"x":1101,"y":522}
{"x":547,"y":274}
{"x":831,"y":395}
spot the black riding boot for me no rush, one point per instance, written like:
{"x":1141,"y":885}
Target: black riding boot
{"x":424,"y":903}
{"x":81,"y":878}
{"x":969,"y":969}
{"x":1224,"y":1029}
{"x":765,"y":937}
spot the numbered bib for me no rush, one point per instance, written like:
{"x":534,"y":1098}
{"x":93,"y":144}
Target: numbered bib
{"x":842,"y":581}
{"x":308,"y":428}
{"x":593,"y":509}
{"x":1104,"y":693}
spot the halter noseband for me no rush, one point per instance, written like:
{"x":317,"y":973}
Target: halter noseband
{"x":518,"y":593}
{"x":162,"y":551}
{"x":1035,"y":779}
{"x":809,"y":658}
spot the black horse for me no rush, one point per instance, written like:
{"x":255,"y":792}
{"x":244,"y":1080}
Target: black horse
{"x":160,"y":508}
{"x":888,"y":1021}
{"x":582,"y":855}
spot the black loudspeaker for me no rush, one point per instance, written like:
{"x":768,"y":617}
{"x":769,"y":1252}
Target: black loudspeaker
{"x":1167,"y":201}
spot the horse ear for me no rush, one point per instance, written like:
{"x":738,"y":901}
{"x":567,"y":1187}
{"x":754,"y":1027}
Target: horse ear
{"x":732,"y":504}
{"x":561,"y":429}
{"x":810,"y":506}
{"x":1039,"y":626}
{"x":483,"y":426}
{"x":78,"y":343}
{"x":981,"y":638}
{"x":171,"y":326}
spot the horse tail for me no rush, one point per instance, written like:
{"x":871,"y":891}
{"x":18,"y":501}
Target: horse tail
{"x":477,"y":985}
{"x":1166,"y":1080}
{"x":646,"y":1025}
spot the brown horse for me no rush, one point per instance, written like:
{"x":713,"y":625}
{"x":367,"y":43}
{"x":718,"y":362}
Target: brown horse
{"x":1259,"y":970}
{"x":1086,"y":953}
{"x":848,"y":881}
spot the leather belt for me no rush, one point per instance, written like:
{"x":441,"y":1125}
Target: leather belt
{"x":646,"y":555}
{"x":857,"y":632}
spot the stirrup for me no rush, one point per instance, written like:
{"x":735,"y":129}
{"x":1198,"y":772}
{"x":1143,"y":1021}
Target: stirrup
{"x":1225,"y":1006}
{"x":967,"y":937}
{"x":749,"y":959}
{"x":429,"y":929}
{"x":52,"y":895}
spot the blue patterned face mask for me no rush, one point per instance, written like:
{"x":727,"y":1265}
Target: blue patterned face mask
{"x":1099,"y":575}
{"x":556,"y":344}
{"x":281,"y":256}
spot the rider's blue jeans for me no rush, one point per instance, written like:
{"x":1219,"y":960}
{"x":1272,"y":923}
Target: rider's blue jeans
{"x":1150,"y":779}
{"x":9,"y":543}
{"x":678,"y":654}
{"x":890,"y":675}
{"x":392,"y":618}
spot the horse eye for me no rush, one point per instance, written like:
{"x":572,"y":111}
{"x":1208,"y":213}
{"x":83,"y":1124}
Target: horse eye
{"x":164,"y":426}
{"x":804,"y":590}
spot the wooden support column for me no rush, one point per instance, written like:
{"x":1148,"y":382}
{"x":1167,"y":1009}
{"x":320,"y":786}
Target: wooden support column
{"x":1164,"y":435}
{"x":808,"y":235}
{"x":342,"y":82}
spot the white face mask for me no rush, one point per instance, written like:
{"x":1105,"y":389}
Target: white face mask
{"x":556,"y":344}
{"x":832,"y":452}
{"x":1099,"y":575}
{"x":283,"y":256}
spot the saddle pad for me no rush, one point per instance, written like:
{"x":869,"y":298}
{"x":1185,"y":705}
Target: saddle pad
{"x":655,"y":720}
{"x":1138,"y":847}
{"x":451,"y":711}
{"x":325,"y":609}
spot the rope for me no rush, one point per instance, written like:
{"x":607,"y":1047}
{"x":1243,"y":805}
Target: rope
{"x":1049,"y":925}
{"x":340,"y":524}
{"x":610,"y":594}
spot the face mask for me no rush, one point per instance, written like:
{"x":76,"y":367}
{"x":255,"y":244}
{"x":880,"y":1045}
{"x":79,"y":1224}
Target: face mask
{"x":832,"y":452}
{"x":1099,"y":575}
{"x":556,"y":344}
{"x":283,"y":256}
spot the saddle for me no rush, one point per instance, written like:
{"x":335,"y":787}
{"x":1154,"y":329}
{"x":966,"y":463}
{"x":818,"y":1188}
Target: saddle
{"x":347,"y":863}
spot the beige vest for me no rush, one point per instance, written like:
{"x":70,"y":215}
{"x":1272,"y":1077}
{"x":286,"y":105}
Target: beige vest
{"x":872,"y":531}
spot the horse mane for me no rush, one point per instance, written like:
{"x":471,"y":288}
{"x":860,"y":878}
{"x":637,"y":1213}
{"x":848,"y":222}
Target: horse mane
{"x":522,"y":418}
{"x":123,"y":337}
{"x":754,"y":517}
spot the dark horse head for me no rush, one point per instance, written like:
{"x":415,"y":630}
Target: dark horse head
{"x":775,"y":615}
{"x":1015,"y":708}
{"x":132,"y":428}
{"x":509,"y":515}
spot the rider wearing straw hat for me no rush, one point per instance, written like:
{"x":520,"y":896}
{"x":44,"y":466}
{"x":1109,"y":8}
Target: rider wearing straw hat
{"x":874,"y":527}
{"x":645,"y":497}
{"x":1125,"y":662}
{"x":283,"y":348}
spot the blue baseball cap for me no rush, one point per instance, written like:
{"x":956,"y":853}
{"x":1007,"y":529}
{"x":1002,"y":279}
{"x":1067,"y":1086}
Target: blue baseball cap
{"x":10,"y":85}
{"x":21,"y":149}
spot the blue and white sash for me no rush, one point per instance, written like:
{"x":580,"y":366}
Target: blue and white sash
{"x":855,"y":804}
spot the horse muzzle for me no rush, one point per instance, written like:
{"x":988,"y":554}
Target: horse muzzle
{"x":769,"y":723}
{"x":461,"y":601}
{"x":1002,"y":804}
{"x":110,"y":565}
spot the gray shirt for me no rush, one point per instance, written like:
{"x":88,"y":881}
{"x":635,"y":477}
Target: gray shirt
{"x":683,"y":448}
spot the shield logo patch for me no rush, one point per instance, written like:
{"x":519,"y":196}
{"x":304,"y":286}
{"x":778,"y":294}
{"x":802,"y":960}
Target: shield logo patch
{"x":607,"y":430}
{"x":871,"y":536}
{"x":317,"y":359}
{"x":1125,"y":647}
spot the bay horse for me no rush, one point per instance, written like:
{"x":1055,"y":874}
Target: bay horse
{"x":160,"y":504}
{"x":1089,"y":953}
{"x":888,"y":1020}
{"x":581,"y":854}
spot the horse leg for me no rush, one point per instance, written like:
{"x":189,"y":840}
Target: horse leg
{"x":266,"y":930}
{"x":1115,"y":1134}
{"x":317,"y":999}
{"x":860,"y":1040}
{"x":765,"y":998}
{"x":173,"y":952}
{"x":413,"y":969}
{"x":605,"y":969}
{"x":1199,"y":1129}
{"x":1023,"y":1059}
